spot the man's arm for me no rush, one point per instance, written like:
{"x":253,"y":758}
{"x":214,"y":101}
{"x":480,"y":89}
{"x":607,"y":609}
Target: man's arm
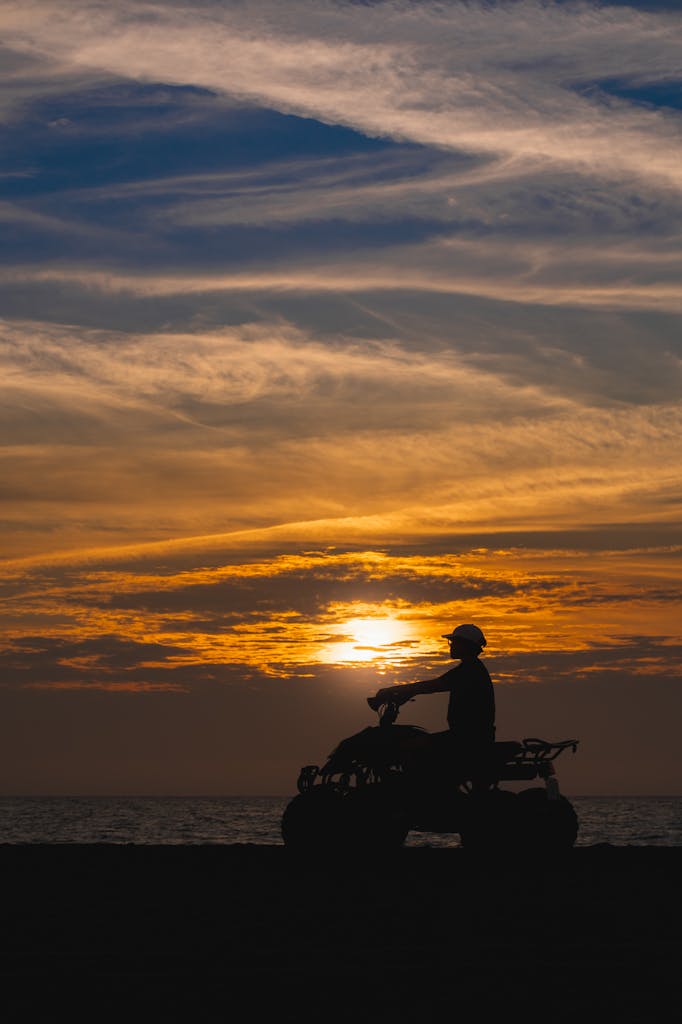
{"x":404,"y":691}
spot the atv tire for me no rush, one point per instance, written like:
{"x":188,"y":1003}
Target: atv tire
{"x":331,"y":820}
{"x":545,"y":825}
{"x":315,"y":820}
{"x":490,"y":824}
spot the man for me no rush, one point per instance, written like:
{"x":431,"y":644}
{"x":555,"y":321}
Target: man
{"x":471,"y":709}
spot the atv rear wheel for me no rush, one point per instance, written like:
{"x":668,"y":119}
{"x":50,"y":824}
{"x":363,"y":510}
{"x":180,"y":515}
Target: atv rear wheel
{"x":544,"y":824}
{"x":490,"y":822}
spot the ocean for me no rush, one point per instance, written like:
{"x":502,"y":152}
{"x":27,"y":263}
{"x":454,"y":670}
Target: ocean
{"x":621,"y":821}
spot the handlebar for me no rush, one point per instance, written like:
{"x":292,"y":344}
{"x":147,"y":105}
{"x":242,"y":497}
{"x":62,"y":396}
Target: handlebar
{"x":388,"y":711}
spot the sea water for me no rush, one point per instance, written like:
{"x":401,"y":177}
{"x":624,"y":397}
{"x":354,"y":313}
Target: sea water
{"x":621,"y":821}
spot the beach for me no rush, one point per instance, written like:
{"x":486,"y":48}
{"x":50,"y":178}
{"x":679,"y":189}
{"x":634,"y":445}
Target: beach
{"x":190,"y":932}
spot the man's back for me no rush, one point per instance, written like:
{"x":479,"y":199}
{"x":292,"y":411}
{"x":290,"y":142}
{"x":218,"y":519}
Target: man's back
{"x":471,"y":710}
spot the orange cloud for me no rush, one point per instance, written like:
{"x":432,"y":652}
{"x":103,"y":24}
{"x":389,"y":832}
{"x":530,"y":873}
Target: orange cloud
{"x":285,"y":614}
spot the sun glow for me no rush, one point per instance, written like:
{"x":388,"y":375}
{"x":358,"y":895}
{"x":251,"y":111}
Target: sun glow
{"x":371,"y":640}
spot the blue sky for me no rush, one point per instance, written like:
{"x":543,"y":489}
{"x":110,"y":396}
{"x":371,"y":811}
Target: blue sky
{"x":395,"y":277}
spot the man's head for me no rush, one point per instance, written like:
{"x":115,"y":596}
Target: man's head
{"x":466,"y":641}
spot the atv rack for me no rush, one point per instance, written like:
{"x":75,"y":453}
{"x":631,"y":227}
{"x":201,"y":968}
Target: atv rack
{"x":530,"y":759}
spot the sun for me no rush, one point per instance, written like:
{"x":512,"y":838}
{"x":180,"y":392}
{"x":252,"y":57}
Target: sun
{"x":374,"y":632}
{"x":369,"y":639}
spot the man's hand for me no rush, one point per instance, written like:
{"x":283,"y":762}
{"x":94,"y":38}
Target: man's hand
{"x":389,"y":695}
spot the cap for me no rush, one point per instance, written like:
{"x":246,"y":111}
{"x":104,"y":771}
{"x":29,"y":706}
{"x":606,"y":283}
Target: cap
{"x":469,"y":632}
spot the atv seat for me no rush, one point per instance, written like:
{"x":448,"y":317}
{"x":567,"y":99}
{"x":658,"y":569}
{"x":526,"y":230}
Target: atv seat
{"x":506,"y":750}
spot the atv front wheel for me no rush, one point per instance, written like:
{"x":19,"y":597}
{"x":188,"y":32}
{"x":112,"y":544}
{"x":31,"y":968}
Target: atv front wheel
{"x":329,"y":819}
{"x":315,"y":819}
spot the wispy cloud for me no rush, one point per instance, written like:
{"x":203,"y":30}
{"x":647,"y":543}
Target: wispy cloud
{"x":538,"y":179}
{"x":549,"y":275}
{"x":263,"y":426}
{"x":483,"y":78}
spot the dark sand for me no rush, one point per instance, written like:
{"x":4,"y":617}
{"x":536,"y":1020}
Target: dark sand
{"x":187,"y":932}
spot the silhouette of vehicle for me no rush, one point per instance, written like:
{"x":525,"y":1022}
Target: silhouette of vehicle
{"x":380,"y":784}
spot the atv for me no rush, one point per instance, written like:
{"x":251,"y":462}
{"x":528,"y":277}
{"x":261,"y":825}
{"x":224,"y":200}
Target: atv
{"x":384,"y":782}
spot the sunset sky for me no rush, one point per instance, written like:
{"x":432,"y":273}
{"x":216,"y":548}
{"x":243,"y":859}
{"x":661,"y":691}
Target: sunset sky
{"x":327,"y":326}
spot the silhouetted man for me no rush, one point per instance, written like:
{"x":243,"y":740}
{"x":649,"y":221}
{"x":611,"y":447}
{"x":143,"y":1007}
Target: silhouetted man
{"x":471,"y":709}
